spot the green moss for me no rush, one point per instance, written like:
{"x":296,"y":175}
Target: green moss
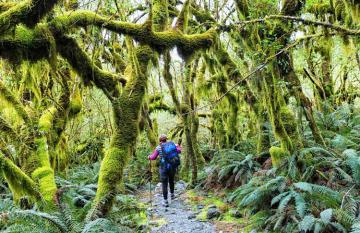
{"x":71,"y":4}
{"x":183,"y":17}
{"x":201,"y":16}
{"x":126,"y":111}
{"x":291,"y":7}
{"x":6,"y":129}
{"x":242,"y":7}
{"x":46,"y":179}
{"x":111,"y":172}
{"x":75,"y":103}
{"x":160,"y":14}
{"x":289,"y":123}
{"x":46,"y":119}
{"x":278,"y":155}
{"x":160,"y":41}
{"x":4,"y":6}
{"x":20,"y":184}
{"x":320,"y":8}
{"x":85,"y":68}
{"x":21,"y":44}
{"x":44,"y":174}
{"x":42,"y":151}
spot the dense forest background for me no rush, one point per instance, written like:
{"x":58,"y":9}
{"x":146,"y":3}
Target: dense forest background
{"x":263,"y":96}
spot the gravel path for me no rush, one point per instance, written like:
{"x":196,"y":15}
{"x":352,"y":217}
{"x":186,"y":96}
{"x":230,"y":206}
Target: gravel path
{"x":177,"y":218}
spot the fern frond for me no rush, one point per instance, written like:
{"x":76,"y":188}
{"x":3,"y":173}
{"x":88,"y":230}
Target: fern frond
{"x":20,"y":215}
{"x":300,"y":204}
{"x":307,"y":223}
{"x":104,"y":225}
{"x":344,"y":218}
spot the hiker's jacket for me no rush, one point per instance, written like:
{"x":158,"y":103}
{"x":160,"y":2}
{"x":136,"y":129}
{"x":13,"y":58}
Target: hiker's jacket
{"x":158,"y":152}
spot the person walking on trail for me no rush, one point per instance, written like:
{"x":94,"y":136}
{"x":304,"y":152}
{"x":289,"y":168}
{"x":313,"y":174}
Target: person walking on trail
{"x":168,"y":152}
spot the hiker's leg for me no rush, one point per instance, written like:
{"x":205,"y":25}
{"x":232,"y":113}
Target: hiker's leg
{"x":164,"y":181}
{"x":172,"y":180}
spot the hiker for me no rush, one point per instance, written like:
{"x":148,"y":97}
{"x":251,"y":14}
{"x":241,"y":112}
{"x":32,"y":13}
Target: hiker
{"x":169,"y":161}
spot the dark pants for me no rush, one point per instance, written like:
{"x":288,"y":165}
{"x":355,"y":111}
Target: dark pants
{"x":167,"y":177}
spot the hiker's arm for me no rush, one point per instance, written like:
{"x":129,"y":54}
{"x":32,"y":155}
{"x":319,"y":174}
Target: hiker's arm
{"x":154,"y":155}
{"x":178,"y":148}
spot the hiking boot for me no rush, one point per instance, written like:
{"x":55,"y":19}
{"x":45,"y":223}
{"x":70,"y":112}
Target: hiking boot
{"x":165,"y":203}
{"x":172,"y":196}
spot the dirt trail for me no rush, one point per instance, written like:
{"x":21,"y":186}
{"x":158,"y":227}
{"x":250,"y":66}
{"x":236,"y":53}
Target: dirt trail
{"x":177,"y":218}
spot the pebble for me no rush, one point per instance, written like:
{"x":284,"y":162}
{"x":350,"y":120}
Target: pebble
{"x":212,"y":213}
{"x":200,"y":207}
{"x":192,"y":216}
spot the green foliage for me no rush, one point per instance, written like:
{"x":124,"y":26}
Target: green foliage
{"x":231,"y":168}
{"x":47,"y":153}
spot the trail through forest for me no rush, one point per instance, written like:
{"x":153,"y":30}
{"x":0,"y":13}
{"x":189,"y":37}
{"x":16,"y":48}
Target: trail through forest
{"x":262,"y":95}
{"x":178,"y":217}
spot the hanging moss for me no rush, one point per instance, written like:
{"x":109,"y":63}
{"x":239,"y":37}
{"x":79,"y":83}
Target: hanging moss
{"x":61,"y":160}
{"x":291,"y":7}
{"x":75,"y":103}
{"x":5,"y":128}
{"x":183,"y":17}
{"x":4,"y":6}
{"x":71,"y":5}
{"x":242,"y":7}
{"x":201,"y":15}
{"x":46,"y":119}
{"x":10,"y":97}
{"x":28,"y":12}
{"x":160,"y":14}
{"x":20,"y":184}
{"x":160,"y":41}
{"x":320,"y":9}
{"x":89,"y":72}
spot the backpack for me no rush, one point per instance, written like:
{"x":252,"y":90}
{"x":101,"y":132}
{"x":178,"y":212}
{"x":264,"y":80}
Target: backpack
{"x":170,"y":157}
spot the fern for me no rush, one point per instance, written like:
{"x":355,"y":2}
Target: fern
{"x":284,"y":200}
{"x":103,"y":225}
{"x":31,"y":215}
{"x":354,"y":163}
{"x":259,"y":194}
{"x":355,"y":228}
{"x":316,"y":151}
{"x":326,"y":195}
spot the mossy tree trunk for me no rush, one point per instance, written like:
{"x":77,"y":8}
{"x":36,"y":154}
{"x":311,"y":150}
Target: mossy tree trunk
{"x":126,"y":111}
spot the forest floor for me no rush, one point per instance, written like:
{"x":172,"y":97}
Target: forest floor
{"x":183,"y":214}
